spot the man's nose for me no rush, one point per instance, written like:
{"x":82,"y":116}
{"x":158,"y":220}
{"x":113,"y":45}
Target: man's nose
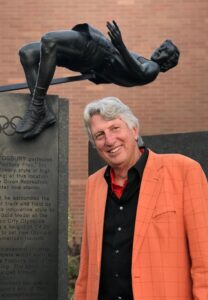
{"x":109,"y":138}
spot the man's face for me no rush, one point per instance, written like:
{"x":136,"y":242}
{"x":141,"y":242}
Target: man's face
{"x":163,"y":53}
{"x":115,"y":142}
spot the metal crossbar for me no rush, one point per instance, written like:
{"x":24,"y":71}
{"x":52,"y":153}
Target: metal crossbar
{"x":21,"y":86}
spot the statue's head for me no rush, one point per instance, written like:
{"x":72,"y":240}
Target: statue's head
{"x":166,"y":56}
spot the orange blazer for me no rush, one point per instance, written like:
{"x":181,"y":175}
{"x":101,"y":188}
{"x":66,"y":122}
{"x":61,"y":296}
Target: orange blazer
{"x":170,"y":247}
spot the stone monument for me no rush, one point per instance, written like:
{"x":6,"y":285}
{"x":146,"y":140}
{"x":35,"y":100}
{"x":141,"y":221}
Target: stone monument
{"x":33,"y":205}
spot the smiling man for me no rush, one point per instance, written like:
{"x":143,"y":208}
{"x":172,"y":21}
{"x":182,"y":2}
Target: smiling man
{"x":115,"y":142}
{"x":145,"y":231}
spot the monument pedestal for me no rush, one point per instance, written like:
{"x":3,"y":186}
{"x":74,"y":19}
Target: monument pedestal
{"x":33,"y":205}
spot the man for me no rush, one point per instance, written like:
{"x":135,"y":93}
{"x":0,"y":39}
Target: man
{"x":85,"y":49}
{"x":146,"y":217}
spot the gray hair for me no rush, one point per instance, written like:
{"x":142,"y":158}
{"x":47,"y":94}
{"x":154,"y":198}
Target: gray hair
{"x":109,"y":108}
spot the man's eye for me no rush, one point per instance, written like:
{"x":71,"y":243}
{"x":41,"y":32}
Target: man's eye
{"x":99,"y":136}
{"x":115,"y":128}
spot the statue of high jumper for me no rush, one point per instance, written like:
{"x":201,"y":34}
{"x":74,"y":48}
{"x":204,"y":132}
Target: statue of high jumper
{"x":86,"y":50}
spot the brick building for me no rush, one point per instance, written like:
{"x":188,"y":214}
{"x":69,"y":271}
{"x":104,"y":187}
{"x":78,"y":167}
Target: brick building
{"x":175,"y":102}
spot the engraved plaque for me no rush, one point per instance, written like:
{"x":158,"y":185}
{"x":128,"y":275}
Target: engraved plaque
{"x":29,"y":202}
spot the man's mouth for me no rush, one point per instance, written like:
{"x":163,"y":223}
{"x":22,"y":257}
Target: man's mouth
{"x":114,"y":150}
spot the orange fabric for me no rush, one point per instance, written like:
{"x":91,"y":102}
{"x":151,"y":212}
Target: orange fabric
{"x":170,"y":248}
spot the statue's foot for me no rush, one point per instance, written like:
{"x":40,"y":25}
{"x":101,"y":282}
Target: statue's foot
{"x":33,"y":115}
{"x":47,"y":120}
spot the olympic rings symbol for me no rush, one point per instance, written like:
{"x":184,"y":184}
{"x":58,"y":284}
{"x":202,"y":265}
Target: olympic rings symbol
{"x":8,"y":127}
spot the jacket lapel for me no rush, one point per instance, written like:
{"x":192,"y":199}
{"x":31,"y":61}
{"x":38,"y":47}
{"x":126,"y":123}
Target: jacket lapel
{"x":100,"y":203}
{"x":149,"y":192}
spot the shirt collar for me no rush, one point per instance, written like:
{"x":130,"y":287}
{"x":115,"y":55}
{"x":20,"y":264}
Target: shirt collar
{"x":138,"y":167}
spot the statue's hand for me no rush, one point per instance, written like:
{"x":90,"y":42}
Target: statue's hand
{"x":115,"y":35}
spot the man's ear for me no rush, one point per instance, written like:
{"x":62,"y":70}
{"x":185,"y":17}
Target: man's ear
{"x":136,"y":132}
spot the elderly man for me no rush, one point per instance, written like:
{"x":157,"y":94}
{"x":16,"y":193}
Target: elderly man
{"x":85,"y":49}
{"x":146,"y":217}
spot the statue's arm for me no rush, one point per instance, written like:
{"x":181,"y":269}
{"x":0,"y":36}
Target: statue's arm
{"x":147,"y":71}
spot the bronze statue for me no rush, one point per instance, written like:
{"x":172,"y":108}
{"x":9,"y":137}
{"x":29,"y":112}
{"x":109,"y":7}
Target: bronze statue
{"x":86,"y":50}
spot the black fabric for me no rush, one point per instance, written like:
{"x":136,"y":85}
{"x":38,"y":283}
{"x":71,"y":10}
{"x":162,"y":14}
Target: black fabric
{"x":115,"y":278}
{"x":98,"y":51}
{"x":103,"y":59}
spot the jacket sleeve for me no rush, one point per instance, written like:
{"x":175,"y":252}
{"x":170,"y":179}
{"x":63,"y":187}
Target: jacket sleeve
{"x":196,"y":222}
{"x":82,"y":280}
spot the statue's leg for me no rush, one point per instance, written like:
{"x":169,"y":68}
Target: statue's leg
{"x":60,"y":48}
{"x":38,"y":115}
{"x":30,"y":58}
{"x":46,"y":69}
{"x":57,"y":48}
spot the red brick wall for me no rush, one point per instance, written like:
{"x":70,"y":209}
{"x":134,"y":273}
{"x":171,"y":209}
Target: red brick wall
{"x":175,"y":102}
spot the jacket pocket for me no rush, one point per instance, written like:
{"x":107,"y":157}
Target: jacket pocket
{"x":163,"y":213}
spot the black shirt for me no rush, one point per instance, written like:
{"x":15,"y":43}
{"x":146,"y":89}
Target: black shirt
{"x":118,"y":232}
